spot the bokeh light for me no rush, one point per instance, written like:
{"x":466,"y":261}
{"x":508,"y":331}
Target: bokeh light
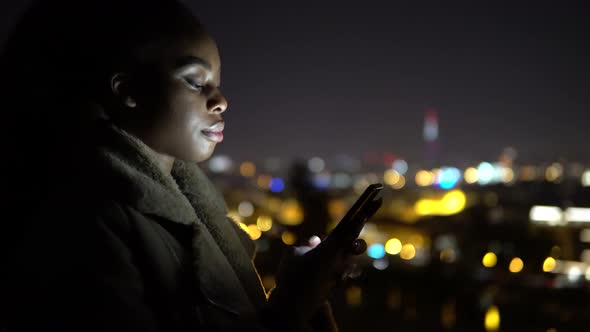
{"x":471,"y":175}
{"x":485,"y":173}
{"x":288,"y":238}
{"x":516,"y":265}
{"x":245,"y":209}
{"x":291,"y":212}
{"x":376,"y":251}
{"x":400,"y":183}
{"x":316,"y":164}
{"x":489,"y":259}
{"x":401,"y":166}
{"x":393,"y":246}
{"x":549,"y":264}
{"x":424,"y":178}
{"x":254,"y":232}
{"x":264,"y":223}
{"x":276,"y":185}
{"x":391,"y":177}
{"x":408,"y":251}
{"x":247,"y":169}
{"x":492,"y":319}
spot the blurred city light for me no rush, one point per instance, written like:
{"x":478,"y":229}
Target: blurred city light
{"x":585,"y":235}
{"x":376,"y":251}
{"x":577,"y":214}
{"x":393,"y":246}
{"x":553,"y":172}
{"x":442,"y":245}
{"x":276,"y":185}
{"x":507,"y":175}
{"x":234,"y":215}
{"x":451,"y":203}
{"x":264,"y":223}
{"x":408,"y":251}
{"x":489,"y":259}
{"x":245,"y":209}
{"x":471,"y":175}
{"x":449,"y":177}
{"x":574,"y":273}
{"x":291,"y":212}
{"x":316,"y":164}
{"x":400,"y":183}
{"x":436,"y":173}
{"x":247,"y":169}
{"x":492,"y":319}
{"x":244,"y":227}
{"x":400,"y":166}
{"x":322,"y":181}
{"x":391,"y":177}
{"x":485,"y":172}
{"x":551,"y":215}
{"x":263,"y":181}
{"x":549,"y":264}
{"x":254,"y":232}
{"x":381,"y":264}
{"x":424,"y":178}
{"x":516,"y":265}
{"x":288,"y":238}
{"x":220,"y":164}
{"x":528,"y":173}
{"x":586,"y":178}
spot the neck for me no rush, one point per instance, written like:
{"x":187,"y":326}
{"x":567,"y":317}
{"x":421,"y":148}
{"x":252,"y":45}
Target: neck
{"x":165,"y":162}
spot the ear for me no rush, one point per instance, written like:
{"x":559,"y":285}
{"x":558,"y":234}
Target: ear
{"x":120,"y":87}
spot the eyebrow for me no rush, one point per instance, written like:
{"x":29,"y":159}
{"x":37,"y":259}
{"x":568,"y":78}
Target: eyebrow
{"x":190,"y":60}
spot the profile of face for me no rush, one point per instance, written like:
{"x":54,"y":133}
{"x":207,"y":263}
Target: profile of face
{"x":176,"y":105}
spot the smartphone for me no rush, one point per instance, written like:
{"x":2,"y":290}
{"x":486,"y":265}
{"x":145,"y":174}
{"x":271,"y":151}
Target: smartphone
{"x":351,"y":225}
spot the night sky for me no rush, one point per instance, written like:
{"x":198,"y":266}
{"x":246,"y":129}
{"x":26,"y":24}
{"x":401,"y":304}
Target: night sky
{"x":330,"y":77}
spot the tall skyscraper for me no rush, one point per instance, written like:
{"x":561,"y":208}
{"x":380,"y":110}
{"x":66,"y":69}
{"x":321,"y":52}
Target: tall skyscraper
{"x":430,"y":133}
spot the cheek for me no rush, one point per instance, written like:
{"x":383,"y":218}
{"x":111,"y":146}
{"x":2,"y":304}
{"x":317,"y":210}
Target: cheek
{"x":189,"y":117}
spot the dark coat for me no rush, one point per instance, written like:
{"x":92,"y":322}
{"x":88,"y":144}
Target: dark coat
{"x":124,"y":247}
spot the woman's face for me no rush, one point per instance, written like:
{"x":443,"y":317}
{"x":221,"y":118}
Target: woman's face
{"x":180,"y":104}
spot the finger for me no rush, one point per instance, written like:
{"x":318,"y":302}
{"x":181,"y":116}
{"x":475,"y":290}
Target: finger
{"x":302,"y":250}
{"x":358,"y":246}
{"x":314,"y":241}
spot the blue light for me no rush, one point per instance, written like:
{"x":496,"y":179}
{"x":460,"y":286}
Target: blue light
{"x":449,"y":177}
{"x":321,"y":181}
{"x":376,"y":251}
{"x":277,"y":185}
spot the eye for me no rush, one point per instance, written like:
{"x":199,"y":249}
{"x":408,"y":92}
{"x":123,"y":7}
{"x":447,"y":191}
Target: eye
{"x":193,"y":84}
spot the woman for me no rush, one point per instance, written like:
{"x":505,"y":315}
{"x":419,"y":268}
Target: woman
{"x":124,"y":232}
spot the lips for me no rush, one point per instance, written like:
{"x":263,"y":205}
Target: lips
{"x":214,"y":132}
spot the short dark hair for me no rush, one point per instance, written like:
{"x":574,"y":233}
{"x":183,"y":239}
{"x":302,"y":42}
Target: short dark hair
{"x":78,"y":42}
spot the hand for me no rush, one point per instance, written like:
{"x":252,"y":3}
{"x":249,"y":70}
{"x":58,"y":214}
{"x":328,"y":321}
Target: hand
{"x":307,"y":274}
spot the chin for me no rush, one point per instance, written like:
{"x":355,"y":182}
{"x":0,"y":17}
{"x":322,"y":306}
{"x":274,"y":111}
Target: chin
{"x":202,"y":155}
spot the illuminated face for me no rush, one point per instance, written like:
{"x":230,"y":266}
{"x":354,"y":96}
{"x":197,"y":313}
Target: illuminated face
{"x":181,"y":103}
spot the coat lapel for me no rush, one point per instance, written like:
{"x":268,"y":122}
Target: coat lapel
{"x":222,"y":265}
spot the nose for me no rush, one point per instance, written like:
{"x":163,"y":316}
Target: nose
{"x":217,"y":102}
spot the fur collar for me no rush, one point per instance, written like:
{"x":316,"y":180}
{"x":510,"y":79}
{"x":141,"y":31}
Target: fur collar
{"x":222,"y":252}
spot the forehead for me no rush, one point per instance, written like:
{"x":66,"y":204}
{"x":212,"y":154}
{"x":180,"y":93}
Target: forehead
{"x":198,"y":49}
